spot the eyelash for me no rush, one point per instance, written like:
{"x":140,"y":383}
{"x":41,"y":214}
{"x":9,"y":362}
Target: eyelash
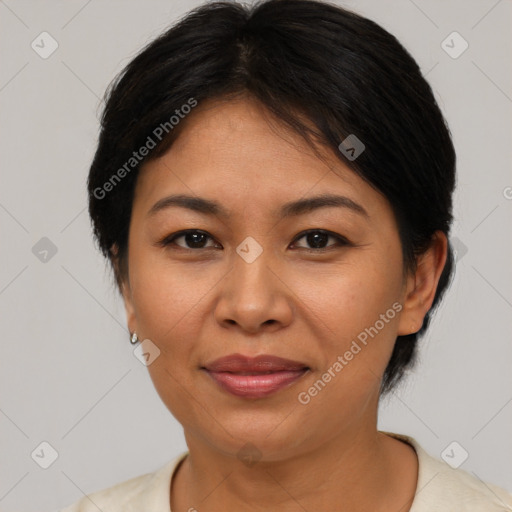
{"x":168,"y":241}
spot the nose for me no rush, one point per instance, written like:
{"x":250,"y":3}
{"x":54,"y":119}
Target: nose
{"x":254,"y":297}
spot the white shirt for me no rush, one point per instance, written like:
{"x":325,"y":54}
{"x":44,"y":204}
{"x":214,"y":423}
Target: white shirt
{"x":439,"y":489}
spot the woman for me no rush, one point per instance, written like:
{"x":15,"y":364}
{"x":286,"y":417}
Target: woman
{"x":273,"y":188}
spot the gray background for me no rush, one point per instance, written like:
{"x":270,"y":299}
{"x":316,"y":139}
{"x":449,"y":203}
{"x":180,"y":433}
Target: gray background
{"x":67,"y":372}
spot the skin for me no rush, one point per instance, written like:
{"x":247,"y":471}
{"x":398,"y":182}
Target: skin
{"x":198,"y":304}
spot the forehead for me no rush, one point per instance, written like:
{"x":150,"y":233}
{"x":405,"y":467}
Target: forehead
{"x":236,"y":152}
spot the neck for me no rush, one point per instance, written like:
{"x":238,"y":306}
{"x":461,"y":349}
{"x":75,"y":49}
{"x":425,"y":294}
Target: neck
{"x":358,"y":470}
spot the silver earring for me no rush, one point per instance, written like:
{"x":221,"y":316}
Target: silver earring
{"x":134,"y":338}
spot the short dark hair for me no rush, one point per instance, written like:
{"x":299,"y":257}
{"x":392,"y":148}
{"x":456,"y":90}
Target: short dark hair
{"x":322,"y":70}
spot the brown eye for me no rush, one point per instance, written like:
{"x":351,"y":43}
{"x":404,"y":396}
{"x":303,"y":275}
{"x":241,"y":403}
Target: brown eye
{"x":192,"y":239}
{"x":317,"y":239}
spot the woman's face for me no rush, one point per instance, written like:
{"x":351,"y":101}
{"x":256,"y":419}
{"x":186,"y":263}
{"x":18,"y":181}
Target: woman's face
{"x":251,"y":282}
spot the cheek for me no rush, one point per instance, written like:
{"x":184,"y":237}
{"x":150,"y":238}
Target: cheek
{"x":169,"y":304}
{"x":348,"y":298}
{"x":358,"y":318}
{"x":357,"y":309}
{"x":168,"y":296}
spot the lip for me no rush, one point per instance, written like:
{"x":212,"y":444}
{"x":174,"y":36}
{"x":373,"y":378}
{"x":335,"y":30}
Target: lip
{"x":254,"y":377}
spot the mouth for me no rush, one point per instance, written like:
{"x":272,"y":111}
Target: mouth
{"x":257,"y":377}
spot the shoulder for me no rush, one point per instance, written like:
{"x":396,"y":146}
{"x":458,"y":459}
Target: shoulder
{"x":132,"y":495}
{"x":443,"y":488}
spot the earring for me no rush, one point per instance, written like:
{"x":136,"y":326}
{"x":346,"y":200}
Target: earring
{"x":134,"y":338}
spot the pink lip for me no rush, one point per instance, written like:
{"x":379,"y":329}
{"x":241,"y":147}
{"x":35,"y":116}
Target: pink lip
{"x":254,"y":377}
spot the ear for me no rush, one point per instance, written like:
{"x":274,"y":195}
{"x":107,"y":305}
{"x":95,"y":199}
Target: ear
{"x":421,"y":286}
{"x":125,"y":289}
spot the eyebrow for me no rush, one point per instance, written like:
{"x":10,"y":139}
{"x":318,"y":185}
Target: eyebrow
{"x":291,"y":209}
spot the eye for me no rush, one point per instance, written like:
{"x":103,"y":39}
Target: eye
{"x":318,"y":238}
{"x":193,"y":238}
